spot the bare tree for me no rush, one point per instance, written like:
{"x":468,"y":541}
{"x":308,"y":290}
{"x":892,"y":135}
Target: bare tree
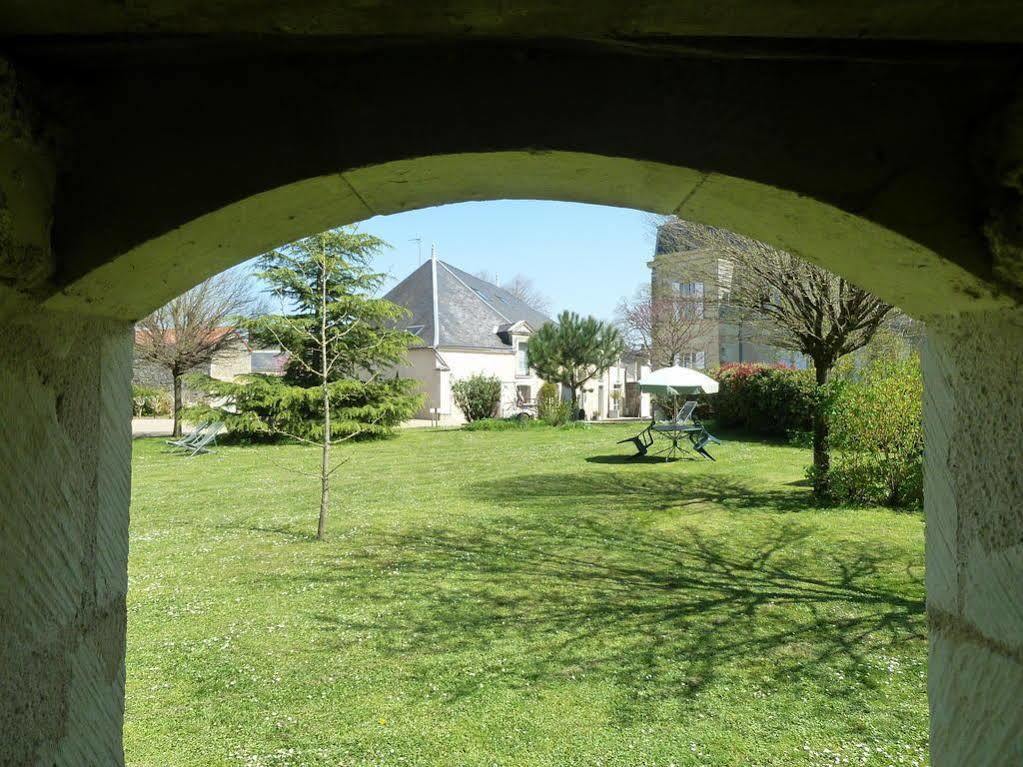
{"x":191,"y":328}
{"x":786,"y":302}
{"x":523,"y":288}
{"x":663,"y":327}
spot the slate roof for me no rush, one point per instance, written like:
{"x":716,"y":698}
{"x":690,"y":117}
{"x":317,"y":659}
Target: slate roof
{"x":471,"y":312}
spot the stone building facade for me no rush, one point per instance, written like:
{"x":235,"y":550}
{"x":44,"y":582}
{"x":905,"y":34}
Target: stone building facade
{"x":234,"y":359}
{"x":689,"y":270}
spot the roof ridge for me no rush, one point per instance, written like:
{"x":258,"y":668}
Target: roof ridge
{"x":450,"y":269}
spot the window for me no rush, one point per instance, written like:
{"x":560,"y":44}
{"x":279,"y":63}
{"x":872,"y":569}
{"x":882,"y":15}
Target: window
{"x":415,"y":329}
{"x":522,"y":358}
{"x":694,"y":360}
{"x":725,"y":271}
{"x":691,"y":297}
{"x":524,"y":394}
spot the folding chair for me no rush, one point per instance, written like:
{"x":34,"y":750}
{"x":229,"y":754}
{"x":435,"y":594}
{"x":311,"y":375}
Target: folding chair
{"x":191,"y":437}
{"x":685,"y":413}
{"x":642,"y":441}
{"x":699,"y":440}
{"x":202,"y":445}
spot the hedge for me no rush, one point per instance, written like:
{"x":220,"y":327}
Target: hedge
{"x":766,"y":400}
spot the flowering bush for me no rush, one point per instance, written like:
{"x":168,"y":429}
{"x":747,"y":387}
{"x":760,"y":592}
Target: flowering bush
{"x":769,"y":400}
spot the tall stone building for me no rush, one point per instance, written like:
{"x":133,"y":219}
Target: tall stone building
{"x":689,"y":270}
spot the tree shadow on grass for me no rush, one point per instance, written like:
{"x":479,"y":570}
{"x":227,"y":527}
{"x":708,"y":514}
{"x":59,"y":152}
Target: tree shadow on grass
{"x":643,"y":491}
{"x":637,"y":460}
{"x":527,"y":603}
{"x":284,"y":531}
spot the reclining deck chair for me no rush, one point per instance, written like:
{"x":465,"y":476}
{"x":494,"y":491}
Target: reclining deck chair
{"x":192,"y":436}
{"x":202,"y":445}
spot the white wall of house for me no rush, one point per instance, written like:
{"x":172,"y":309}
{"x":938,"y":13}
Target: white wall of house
{"x":424,"y":365}
{"x":597,"y":397}
{"x":436,"y":371}
{"x":504,"y":365}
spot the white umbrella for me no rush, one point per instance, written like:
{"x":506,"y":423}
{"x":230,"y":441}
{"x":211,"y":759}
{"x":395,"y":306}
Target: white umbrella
{"x":676,"y":381}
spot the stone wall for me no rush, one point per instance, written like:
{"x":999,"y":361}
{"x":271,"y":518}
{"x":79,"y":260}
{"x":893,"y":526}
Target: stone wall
{"x":64,"y":493}
{"x":973,"y":419}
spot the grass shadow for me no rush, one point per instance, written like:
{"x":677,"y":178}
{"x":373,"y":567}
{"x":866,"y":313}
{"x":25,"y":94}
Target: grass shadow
{"x":535,"y":602}
{"x":290,"y":533}
{"x":647,"y":491}
{"x":635,"y":460}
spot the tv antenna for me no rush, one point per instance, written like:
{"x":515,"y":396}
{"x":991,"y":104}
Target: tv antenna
{"x":419,"y":242}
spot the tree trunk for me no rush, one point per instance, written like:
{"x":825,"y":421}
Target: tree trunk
{"x":821,"y":433}
{"x":321,"y":528}
{"x":177,"y":403}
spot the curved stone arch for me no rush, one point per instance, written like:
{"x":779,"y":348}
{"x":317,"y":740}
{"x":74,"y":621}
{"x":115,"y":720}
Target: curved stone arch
{"x":900,"y":270}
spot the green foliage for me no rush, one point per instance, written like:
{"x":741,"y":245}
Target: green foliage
{"x":574,"y":350}
{"x":877,"y":435}
{"x":549,"y":407}
{"x":147,"y":401}
{"x":360,"y":334}
{"x":336,"y":333}
{"x":500,"y":424}
{"x":477,"y":396}
{"x":887,"y":345}
{"x":767,"y":400}
{"x":261,"y":408}
{"x":517,"y":423}
{"x":559,"y":414}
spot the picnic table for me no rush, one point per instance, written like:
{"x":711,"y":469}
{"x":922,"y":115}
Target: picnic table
{"x":683,"y":426}
{"x":674,"y":433}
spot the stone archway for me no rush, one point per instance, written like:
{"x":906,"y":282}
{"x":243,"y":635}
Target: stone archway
{"x":904,"y":272}
{"x":169,"y":168}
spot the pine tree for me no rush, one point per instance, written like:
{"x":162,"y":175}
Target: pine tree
{"x":339,"y":340}
{"x":574,"y":350}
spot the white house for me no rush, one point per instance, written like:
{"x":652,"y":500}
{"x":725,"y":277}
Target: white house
{"x":598,"y":398}
{"x":469,"y":326}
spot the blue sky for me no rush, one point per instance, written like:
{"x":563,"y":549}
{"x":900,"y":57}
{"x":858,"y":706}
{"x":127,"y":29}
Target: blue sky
{"x":583,"y":257}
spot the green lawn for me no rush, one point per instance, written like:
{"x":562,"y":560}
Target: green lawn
{"x":517,"y":598}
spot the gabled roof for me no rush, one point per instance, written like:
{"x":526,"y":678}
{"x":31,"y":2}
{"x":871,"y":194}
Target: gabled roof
{"x":470,"y":312}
